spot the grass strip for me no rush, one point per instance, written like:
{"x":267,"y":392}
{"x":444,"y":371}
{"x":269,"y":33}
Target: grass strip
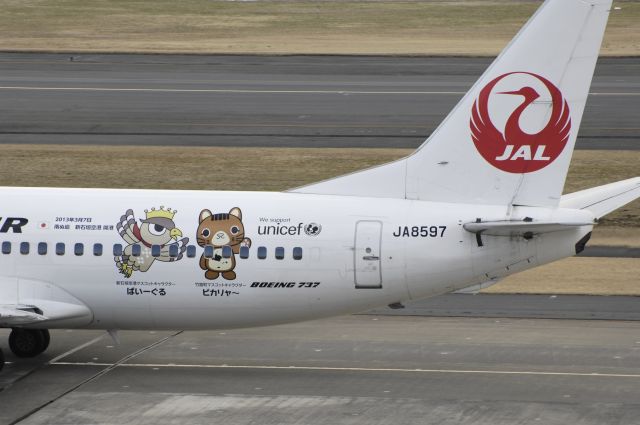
{"x":454,"y":27}
{"x":576,"y":275}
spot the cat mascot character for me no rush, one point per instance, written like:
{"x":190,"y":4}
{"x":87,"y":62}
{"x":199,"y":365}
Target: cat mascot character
{"x":220,"y":230}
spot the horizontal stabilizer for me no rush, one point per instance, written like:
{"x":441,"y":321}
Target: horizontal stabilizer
{"x":602,"y":200}
{"x":17,"y":315}
{"x":526,"y":229}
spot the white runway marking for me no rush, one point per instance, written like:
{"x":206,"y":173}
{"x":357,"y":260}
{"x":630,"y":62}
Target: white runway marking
{"x":358,"y":369}
{"x":78,"y":348}
{"x":241,"y":91}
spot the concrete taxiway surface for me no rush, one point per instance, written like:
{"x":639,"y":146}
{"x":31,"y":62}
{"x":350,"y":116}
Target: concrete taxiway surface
{"x":348,"y":370}
{"x":304,"y":101}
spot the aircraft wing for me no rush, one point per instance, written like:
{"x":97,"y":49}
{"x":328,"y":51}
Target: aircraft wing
{"x":18,"y":315}
{"x":40,"y":302}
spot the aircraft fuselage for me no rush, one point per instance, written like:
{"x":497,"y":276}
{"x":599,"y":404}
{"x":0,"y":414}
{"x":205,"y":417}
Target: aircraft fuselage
{"x":323,"y":255}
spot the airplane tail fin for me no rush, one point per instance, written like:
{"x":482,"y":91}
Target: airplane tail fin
{"x":510,"y":139}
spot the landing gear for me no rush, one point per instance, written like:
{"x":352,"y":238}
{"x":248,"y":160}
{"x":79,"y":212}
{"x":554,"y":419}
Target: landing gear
{"x":28,"y":342}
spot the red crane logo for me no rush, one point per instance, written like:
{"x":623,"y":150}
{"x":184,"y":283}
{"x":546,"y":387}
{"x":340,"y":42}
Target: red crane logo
{"x":514,"y":150}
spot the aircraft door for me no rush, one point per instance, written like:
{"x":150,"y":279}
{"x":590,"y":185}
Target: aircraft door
{"x":367,"y":254}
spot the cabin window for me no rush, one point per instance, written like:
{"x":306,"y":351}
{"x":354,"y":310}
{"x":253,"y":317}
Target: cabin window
{"x":6,"y":247}
{"x":155,"y":250}
{"x":244,"y":252}
{"x":42,"y":248}
{"x":226,"y":251}
{"x":24,"y":248}
{"x":97,"y":249}
{"x":297,"y":253}
{"x":174,"y":250}
{"x":262,"y":252}
{"x":279,"y":253}
{"x":191,"y":251}
{"x":78,"y":249}
{"x":136,"y":250}
{"x":208,"y":251}
{"x":60,"y":248}
{"x":117,"y":250}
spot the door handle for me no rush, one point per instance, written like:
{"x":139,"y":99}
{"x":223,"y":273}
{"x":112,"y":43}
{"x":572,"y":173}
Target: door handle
{"x":371,"y":258}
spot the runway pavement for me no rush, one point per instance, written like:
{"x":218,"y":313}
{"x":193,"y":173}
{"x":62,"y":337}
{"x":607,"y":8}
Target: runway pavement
{"x":302,"y":101}
{"x":359,"y":369}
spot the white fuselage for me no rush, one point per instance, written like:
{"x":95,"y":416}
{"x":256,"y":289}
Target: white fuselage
{"x":357,"y":253}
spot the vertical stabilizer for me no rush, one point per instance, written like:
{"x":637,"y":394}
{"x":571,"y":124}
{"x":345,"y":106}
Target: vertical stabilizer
{"x":510,"y":139}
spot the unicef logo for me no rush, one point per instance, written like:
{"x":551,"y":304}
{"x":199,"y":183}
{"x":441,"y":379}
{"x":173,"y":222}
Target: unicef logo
{"x":312,"y":229}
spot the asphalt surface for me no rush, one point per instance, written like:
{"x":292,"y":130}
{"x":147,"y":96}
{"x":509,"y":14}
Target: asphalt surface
{"x":610,"y":251}
{"x":361,"y":369}
{"x":575,"y":307}
{"x":302,"y":101}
